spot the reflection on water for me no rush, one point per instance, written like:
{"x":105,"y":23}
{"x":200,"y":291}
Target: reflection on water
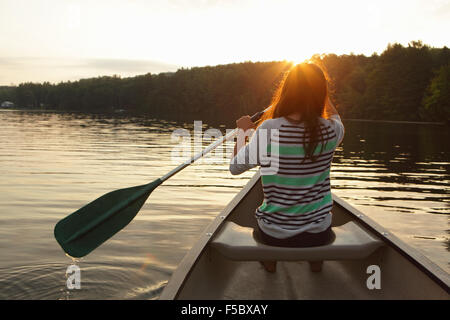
{"x":398,"y":174}
{"x":51,"y":164}
{"x":404,"y":163}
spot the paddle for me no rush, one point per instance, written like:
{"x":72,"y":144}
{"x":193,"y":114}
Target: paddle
{"x":87,"y":228}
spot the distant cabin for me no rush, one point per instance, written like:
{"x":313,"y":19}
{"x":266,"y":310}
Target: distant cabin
{"x":7,"y":104}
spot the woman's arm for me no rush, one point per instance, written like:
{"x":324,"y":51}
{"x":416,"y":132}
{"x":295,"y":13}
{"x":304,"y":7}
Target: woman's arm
{"x":330,"y":109}
{"x":245,"y":156}
{"x":244,"y":123}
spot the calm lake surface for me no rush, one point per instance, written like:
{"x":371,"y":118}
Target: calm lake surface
{"x":51,"y":164}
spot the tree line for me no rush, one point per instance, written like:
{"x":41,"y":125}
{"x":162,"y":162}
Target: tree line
{"x":403,"y":83}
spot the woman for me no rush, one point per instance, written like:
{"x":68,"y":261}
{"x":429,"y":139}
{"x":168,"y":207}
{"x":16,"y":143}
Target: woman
{"x":294,"y":145}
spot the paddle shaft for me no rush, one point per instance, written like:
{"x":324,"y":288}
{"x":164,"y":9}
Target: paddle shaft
{"x":208,"y":149}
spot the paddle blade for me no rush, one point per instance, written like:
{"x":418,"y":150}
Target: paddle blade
{"x":87,"y":228}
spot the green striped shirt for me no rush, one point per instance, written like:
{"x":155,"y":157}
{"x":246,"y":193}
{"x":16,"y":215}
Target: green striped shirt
{"x":297,"y":195}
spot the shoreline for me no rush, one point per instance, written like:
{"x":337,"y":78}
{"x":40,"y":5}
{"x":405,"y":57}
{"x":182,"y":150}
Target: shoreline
{"x":396,"y":121}
{"x":344,"y":119}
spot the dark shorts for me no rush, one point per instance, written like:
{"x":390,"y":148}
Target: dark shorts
{"x":304,"y":239}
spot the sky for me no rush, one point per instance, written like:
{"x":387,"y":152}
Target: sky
{"x":61,"y":40}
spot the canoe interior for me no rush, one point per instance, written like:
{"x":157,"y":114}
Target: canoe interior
{"x":205,"y":274}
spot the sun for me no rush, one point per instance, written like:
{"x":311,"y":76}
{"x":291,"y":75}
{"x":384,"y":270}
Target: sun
{"x":295,"y":62}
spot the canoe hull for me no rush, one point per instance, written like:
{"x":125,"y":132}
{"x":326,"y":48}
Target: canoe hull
{"x":205,"y":273}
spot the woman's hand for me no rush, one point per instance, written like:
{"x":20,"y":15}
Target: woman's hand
{"x":245,"y":123}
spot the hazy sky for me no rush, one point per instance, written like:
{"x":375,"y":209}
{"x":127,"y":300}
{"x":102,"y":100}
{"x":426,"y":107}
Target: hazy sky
{"x":56,"y":40}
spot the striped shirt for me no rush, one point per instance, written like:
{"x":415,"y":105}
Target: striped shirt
{"x":297,"y":192}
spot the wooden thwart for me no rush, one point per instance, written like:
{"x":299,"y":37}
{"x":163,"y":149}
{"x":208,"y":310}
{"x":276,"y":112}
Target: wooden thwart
{"x":351,"y":243}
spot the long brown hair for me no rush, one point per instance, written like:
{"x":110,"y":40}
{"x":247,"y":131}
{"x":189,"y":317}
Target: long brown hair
{"x":303,"y":90}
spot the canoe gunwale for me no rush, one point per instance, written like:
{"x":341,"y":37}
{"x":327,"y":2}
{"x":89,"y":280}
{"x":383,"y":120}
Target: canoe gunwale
{"x":413,"y":255}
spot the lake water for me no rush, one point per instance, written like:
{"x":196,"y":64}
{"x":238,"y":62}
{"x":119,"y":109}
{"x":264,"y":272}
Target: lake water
{"x":51,"y":164}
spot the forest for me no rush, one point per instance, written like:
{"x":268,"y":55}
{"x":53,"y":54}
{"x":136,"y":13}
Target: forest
{"x":407,"y":83}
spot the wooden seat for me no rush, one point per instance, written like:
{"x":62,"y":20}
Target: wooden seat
{"x":238,"y":243}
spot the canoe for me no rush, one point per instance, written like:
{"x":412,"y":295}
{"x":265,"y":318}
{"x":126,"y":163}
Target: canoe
{"x":365,"y":261}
